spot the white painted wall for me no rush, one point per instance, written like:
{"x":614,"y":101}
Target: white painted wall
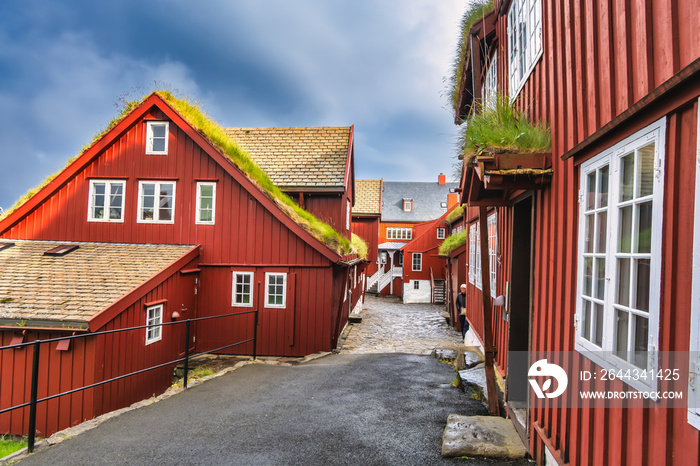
{"x":421,"y":295}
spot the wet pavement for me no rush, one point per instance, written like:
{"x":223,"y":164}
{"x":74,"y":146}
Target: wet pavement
{"x":389,"y":326}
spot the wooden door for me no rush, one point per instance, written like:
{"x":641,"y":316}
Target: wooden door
{"x":187,"y":308}
{"x":276,"y":304}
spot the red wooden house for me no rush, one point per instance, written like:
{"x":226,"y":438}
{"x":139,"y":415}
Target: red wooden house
{"x":366,"y":213}
{"x":213,"y":237}
{"x":601,"y":260}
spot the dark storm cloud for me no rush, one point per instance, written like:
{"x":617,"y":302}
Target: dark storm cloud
{"x":378,"y":65}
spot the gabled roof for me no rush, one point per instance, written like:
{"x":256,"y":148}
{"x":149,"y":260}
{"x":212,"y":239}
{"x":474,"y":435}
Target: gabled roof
{"x":427,"y":200}
{"x":299,"y":158}
{"x":368,"y":197}
{"x":67,"y":291}
{"x":212,"y":139}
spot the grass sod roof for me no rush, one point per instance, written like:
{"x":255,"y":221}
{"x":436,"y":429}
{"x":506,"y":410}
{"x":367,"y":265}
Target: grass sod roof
{"x":218,"y":138}
{"x":453,"y":242}
{"x":503,"y":128}
{"x":456,"y":213}
{"x":476,"y":10}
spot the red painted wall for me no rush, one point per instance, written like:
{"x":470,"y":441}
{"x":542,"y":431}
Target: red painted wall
{"x":367,"y":228}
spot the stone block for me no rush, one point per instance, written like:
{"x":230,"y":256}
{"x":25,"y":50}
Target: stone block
{"x":487,"y":436}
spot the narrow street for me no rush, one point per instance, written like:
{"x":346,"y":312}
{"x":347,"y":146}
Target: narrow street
{"x":352,"y":408}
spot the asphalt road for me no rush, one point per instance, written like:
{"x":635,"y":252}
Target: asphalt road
{"x":379,"y":409}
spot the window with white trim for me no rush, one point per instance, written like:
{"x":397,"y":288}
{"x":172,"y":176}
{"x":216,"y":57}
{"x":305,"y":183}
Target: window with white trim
{"x":440,"y":233}
{"x":489,"y":90}
{"x":619,"y":253}
{"x":416,"y":285}
{"x":417,"y":263}
{"x":524,"y":42}
{"x":106,"y":202}
{"x":276,"y":289}
{"x":206,"y":203}
{"x":154,"y":319}
{"x":157,"y":137}
{"x":399,"y":233}
{"x":156,"y":202}
{"x":242,"y":289}
{"x":382,"y":258}
{"x":407,"y":205}
{"x":694,"y":363}
{"x":474,"y":255}
{"x":493,"y":252}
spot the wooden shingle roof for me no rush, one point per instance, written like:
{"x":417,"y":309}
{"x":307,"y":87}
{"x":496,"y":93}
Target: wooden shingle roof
{"x":311,"y":157}
{"x":70,"y":289}
{"x":368,"y":197}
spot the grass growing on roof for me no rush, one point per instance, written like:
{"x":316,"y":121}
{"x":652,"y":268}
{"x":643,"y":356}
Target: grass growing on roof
{"x":454,"y":214}
{"x":359,"y":246}
{"x":503,"y":128}
{"x":476,"y":10}
{"x":453,"y":242}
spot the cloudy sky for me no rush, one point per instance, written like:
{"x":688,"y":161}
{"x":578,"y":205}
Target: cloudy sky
{"x":377,"y":64}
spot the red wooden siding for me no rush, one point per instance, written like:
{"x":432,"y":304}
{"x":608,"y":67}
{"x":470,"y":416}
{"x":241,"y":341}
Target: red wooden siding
{"x":599,"y":59}
{"x":456,"y":275}
{"x":367,"y":228}
{"x":329,"y":208}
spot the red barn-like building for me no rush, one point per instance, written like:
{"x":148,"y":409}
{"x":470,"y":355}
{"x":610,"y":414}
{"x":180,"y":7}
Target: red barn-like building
{"x":155,"y":206}
{"x":600,"y":259}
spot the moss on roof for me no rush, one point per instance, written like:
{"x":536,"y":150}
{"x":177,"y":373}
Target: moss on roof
{"x":454,"y":214}
{"x":476,"y":10}
{"x":453,"y":242}
{"x":359,"y":246}
{"x":215,"y":134}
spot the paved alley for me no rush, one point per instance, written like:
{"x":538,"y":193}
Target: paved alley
{"x":389,"y":326}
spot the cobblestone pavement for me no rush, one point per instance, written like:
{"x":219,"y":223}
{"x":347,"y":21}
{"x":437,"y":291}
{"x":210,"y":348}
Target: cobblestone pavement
{"x":389,"y":326}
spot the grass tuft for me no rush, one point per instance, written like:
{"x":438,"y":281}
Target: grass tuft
{"x":503,"y":128}
{"x":455,"y":214}
{"x":9,"y":446}
{"x":453,"y":242}
{"x":359,"y":246}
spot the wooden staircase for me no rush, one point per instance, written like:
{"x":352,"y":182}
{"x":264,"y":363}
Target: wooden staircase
{"x":439,"y":292}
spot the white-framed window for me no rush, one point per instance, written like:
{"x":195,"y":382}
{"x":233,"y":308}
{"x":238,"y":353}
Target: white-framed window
{"x":156,"y":202}
{"x":348,"y":209}
{"x":154,"y":319}
{"x":493,"y":251}
{"x":619,"y":253}
{"x":382,"y":258}
{"x":440,"y":233}
{"x":242,"y":289}
{"x":416,"y":285}
{"x":417,"y":263}
{"x":694,"y":355}
{"x":157,"y":137}
{"x":399,"y":233}
{"x":489,"y":90}
{"x":524,"y":42}
{"x":106,"y":202}
{"x":276,"y":289}
{"x":407,"y":205}
{"x":206,"y":203}
{"x":474,"y":255}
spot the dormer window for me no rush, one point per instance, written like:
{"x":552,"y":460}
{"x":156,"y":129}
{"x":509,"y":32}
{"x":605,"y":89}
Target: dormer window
{"x":407,"y":204}
{"x":157,"y":138}
{"x":61,"y":250}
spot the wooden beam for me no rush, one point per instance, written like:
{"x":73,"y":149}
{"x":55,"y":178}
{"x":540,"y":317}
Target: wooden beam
{"x":489,"y":349}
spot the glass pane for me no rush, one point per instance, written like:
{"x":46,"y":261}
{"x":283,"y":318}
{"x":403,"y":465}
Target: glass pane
{"x":148,"y":202}
{"x":642,"y":291}
{"x":600,"y":278}
{"x":206,"y":203}
{"x":645,"y":171}
{"x":99,"y":188}
{"x":166,"y":190}
{"x":590,"y":191}
{"x":587,"y":276}
{"x":205,"y":216}
{"x":586,"y":320}
{"x":623,"y":282}
{"x":206,"y":190}
{"x":164,"y":214}
{"x":603,"y":186}
{"x":115,"y":213}
{"x":158,"y":130}
{"x":245,"y":299}
{"x":625,"y":238}
{"x":602,"y":230}
{"x":627,"y":177}
{"x":643,"y":233}
{"x":588,"y":238}
{"x":148,"y":189}
{"x":641,"y":338}
{"x":278,"y":300}
{"x":159,"y":145}
{"x":621,"y":332}
{"x":599,"y":322}
{"x":98,"y":212}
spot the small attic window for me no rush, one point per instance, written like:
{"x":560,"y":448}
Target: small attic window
{"x":407,"y":205}
{"x":6,"y":245}
{"x":443,"y":205}
{"x":157,"y":137}
{"x":61,"y":250}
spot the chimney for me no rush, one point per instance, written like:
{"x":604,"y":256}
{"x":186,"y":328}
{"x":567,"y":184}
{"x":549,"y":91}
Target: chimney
{"x":441,"y":179}
{"x":452,"y":200}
